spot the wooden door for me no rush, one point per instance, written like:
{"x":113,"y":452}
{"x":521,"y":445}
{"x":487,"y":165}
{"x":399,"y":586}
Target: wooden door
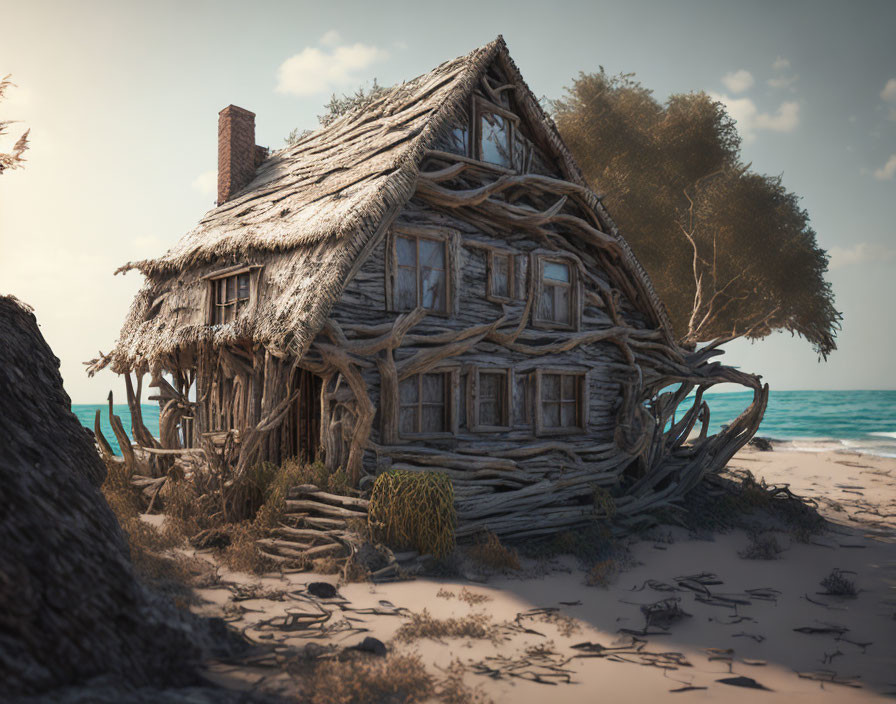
{"x":307,"y":416}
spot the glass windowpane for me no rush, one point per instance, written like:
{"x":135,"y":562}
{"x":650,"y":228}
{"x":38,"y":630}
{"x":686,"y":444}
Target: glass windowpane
{"x":569,"y":387}
{"x":406,"y":289}
{"x":243,"y":286}
{"x":433,"y":289}
{"x":556,"y":271}
{"x":434,"y":388}
{"x":551,"y":415}
{"x":568,"y":415}
{"x":407,"y":391}
{"x":433,"y":419}
{"x":432,"y":254}
{"x":561,"y":304}
{"x":406,"y":250}
{"x":495,"y":140}
{"x":550,"y":387}
{"x":407,"y":420}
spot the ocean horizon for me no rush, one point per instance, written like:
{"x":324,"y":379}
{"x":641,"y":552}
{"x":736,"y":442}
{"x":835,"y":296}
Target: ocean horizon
{"x":862,"y":421}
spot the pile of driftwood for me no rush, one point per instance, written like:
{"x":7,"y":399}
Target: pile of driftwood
{"x":317,"y":524}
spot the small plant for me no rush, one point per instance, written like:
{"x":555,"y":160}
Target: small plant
{"x":490,"y":552}
{"x":604,"y":504}
{"x":365,"y":680}
{"x":422,"y":625}
{"x":761,"y":547}
{"x":837,"y":584}
{"x":414,"y":510}
{"x":601,"y":573}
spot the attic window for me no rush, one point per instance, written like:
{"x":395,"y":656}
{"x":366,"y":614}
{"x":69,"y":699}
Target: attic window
{"x":230,"y":295}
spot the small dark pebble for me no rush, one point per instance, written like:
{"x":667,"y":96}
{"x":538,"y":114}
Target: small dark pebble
{"x":322,"y":590}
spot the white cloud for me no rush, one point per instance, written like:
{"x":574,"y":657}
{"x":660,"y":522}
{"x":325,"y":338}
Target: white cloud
{"x":313,"y":71}
{"x":331,"y":38}
{"x":887,"y":171}
{"x":738,"y":81}
{"x":889,"y":91}
{"x":781,"y":64}
{"x":783,"y":81}
{"x":206,"y":182}
{"x":749,"y":120}
{"x":859,"y":254}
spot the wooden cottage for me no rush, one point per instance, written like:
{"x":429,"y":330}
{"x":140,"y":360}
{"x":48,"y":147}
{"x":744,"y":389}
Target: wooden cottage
{"x":428,"y":283}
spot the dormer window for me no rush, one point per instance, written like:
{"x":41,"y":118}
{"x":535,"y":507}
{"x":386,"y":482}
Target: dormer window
{"x":230,"y":292}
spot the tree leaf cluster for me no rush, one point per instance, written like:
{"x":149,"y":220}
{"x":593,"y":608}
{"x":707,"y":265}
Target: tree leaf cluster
{"x":730,"y":251}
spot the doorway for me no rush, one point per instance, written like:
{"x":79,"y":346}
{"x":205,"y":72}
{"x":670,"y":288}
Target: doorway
{"x":307,"y":416}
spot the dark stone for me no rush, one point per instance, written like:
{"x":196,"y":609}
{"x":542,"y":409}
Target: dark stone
{"x":322,"y":590}
{"x":71,"y":607}
{"x":371,"y":557}
{"x":761,"y":444}
{"x":371,"y":645}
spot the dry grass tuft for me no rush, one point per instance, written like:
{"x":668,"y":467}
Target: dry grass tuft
{"x":762,"y":547}
{"x":837,"y":584}
{"x":242,"y":555}
{"x":423,"y":625}
{"x":393,"y":679}
{"x":453,"y":690}
{"x":601,"y":573}
{"x":490,"y":552}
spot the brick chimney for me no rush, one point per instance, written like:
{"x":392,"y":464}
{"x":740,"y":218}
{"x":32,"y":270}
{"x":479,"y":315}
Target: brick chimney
{"x":238,"y":156}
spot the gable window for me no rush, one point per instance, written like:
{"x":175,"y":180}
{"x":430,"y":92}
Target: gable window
{"x":425,"y":404}
{"x":556,"y":294}
{"x":491,"y":399}
{"x":230,"y":294}
{"x":561,"y":402}
{"x":495,"y":139}
{"x":421,"y":273}
{"x":501,"y":283}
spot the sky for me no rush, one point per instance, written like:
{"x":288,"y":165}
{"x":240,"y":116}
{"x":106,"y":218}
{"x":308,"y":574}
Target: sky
{"x":122,"y":99}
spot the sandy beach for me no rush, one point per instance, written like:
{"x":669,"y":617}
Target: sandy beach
{"x":548,"y":633}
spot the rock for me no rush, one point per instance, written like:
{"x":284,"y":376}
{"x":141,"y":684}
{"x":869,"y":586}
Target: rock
{"x":371,"y":645}
{"x":71,"y":607}
{"x":322,"y":590}
{"x":372,"y":557}
{"x":761,"y":444}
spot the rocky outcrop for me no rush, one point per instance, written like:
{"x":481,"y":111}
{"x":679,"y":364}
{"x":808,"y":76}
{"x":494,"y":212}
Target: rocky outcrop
{"x":71,"y":608}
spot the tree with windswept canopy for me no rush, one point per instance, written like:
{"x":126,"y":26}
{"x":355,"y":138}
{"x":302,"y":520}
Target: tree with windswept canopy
{"x":14,"y":159}
{"x":730,"y":251}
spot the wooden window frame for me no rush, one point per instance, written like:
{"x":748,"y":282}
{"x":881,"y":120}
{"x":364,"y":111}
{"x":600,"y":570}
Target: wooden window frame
{"x":450,"y":238}
{"x":481,"y":105}
{"x":528,"y":403}
{"x":213,"y":281}
{"x":490,"y":295}
{"x":581,"y":376}
{"x":452,"y":374}
{"x":473,"y":419}
{"x":575,"y":291}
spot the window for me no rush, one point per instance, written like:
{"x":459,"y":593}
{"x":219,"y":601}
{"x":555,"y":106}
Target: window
{"x":561,"y":402}
{"x":425,"y":404}
{"x":421,"y":273}
{"x":230,"y":294}
{"x":495,"y":139}
{"x":501,"y":282}
{"x":557,"y":294}
{"x":491,"y":399}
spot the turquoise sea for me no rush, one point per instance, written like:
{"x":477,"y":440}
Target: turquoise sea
{"x":858,"y":421}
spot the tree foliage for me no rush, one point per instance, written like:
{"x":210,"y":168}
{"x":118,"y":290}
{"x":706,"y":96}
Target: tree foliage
{"x":339,"y":106}
{"x":14,"y":159}
{"x":730,"y":251}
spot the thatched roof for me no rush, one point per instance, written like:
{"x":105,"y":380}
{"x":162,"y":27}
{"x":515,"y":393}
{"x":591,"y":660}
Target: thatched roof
{"x":322,"y":200}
